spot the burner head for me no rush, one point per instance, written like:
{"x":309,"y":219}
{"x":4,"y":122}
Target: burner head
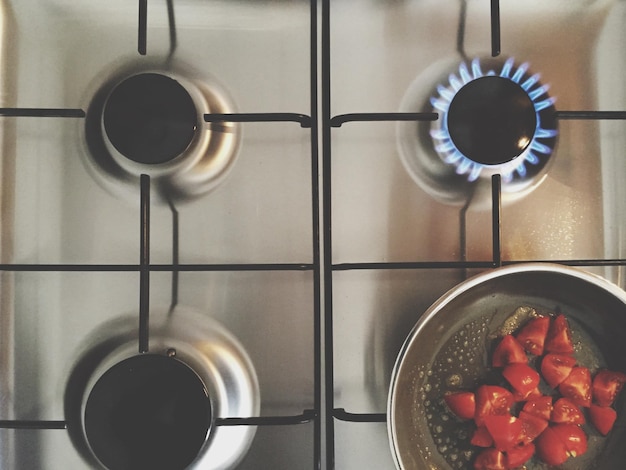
{"x":148,"y":411}
{"x":150,"y":118}
{"x":491,"y":120}
{"x":157,"y":410}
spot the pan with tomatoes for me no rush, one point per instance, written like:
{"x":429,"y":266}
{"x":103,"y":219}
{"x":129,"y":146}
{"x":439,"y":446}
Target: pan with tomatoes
{"x":452,"y":349}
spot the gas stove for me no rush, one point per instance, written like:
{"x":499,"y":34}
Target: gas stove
{"x":256,"y":201}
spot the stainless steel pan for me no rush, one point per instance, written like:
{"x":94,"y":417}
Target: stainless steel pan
{"x":448,"y":349}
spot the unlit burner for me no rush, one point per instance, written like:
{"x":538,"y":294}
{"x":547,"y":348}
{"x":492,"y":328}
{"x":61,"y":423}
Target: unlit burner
{"x":151,"y":121}
{"x":498,"y":121}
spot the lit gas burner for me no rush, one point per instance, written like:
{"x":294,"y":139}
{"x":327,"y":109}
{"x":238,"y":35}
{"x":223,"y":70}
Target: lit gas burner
{"x":494,"y":117}
{"x":497,"y":120}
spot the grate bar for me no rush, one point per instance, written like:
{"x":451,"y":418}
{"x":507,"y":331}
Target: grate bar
{"x":337,"y":121}
{"x":43,"y":112}
{"x":303,"y":119}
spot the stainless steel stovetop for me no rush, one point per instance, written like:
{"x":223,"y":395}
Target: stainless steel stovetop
{"x":318,"y":251}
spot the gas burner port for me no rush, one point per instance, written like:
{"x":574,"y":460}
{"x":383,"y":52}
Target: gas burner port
{"x":495,"y":117}
{"x":150,"y":120}
{"x":158,"y":409}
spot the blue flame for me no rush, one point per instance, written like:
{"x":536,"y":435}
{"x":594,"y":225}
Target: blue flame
{"x":537,"y":93}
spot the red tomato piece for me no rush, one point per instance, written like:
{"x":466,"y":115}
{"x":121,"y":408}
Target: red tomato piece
{"x":523,"y":378}
{"x":490,"y":459}
{"x":533,"y":334}
{"x":603,"y":418}
{"x":577,"y":386}
{"x":532,"y":426}
{"x":606,"y":386}
{"x":550,"y":448}
{"x":481,"y":437}
{"x":462,"y":404}
{"x":518,"y":456}
{"x":573,"y":437}
{"x":565,"y":411}
{"x":492,"y":400}
{"x":556,"y":367}
{"x":539,"y":406}
{"x":559,"y":338}
{"x":505,"y":430}
{"x":508,"y":351}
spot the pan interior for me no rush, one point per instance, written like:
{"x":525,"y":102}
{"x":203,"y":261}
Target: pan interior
{"x":449,"y":347}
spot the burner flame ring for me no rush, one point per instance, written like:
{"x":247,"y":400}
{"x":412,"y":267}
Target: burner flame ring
{"x":508,"y":100}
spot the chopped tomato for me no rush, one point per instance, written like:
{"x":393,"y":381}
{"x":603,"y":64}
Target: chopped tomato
{"x":533,"y":334}
{"x":565,"y":411}
{"x":550,"y":448}
{"x":523,"y":378}
{"x":508,"y":351}
{"x":504,"y":429}
{"x":606,"y":386}
{"x":577,"y":386}
{"x":490,"y":459}
{"x":539,"y":406}
{"x":492,"y":400}
{"x":573,"y":437}
{"x":556,"y":367}
{"x":534,"y":393}
{"x":462,"y":404}
{"x":532,"y":426}
{"x":559,"y":338}
{"x":603,"y":418}
{"x":518,"y":456}
{"x":481,"y":437}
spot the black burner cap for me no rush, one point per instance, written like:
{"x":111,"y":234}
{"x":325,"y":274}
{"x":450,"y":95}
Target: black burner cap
{"x":491,"y":120}
{"x":150,"y":118}
{"x":148,"y":412}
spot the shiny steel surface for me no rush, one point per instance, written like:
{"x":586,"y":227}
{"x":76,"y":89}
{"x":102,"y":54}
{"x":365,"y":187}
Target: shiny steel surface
{"x":596,"y":305}
{"x":213,"y":353}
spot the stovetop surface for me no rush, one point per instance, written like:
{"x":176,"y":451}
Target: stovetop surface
{"x":315,"y":225}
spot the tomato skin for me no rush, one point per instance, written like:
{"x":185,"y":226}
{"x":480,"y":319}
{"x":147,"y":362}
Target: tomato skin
{"x":462,"y":404}
{"x":532,"y":426}
{"x":481,"y":437}
{"x":523,"y":378}
{"x":606,"y":386}
{"x":603,"y":418}
{"x":573,"y":437}
{"x":539,"y":406}
{"x":565,"y":411}
{"x":556,"y":367}
{"x":490,"y":459}
{"x":505,"y":430}
{"x":508,"y":351}
{"x":518,"y":456}
{"x":559,"y":337}
{"x":533,"y":334}
{"x":577,"y":386}
{"x":492,"y":400}
{"x":550,"y":448}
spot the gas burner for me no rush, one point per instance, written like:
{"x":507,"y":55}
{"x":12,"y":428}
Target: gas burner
{"x":494,"y":118}
{"x":157,"y":410}
{"x":494,"y":121}
{"x":148,"y":411}
{"x":151,"y":121}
